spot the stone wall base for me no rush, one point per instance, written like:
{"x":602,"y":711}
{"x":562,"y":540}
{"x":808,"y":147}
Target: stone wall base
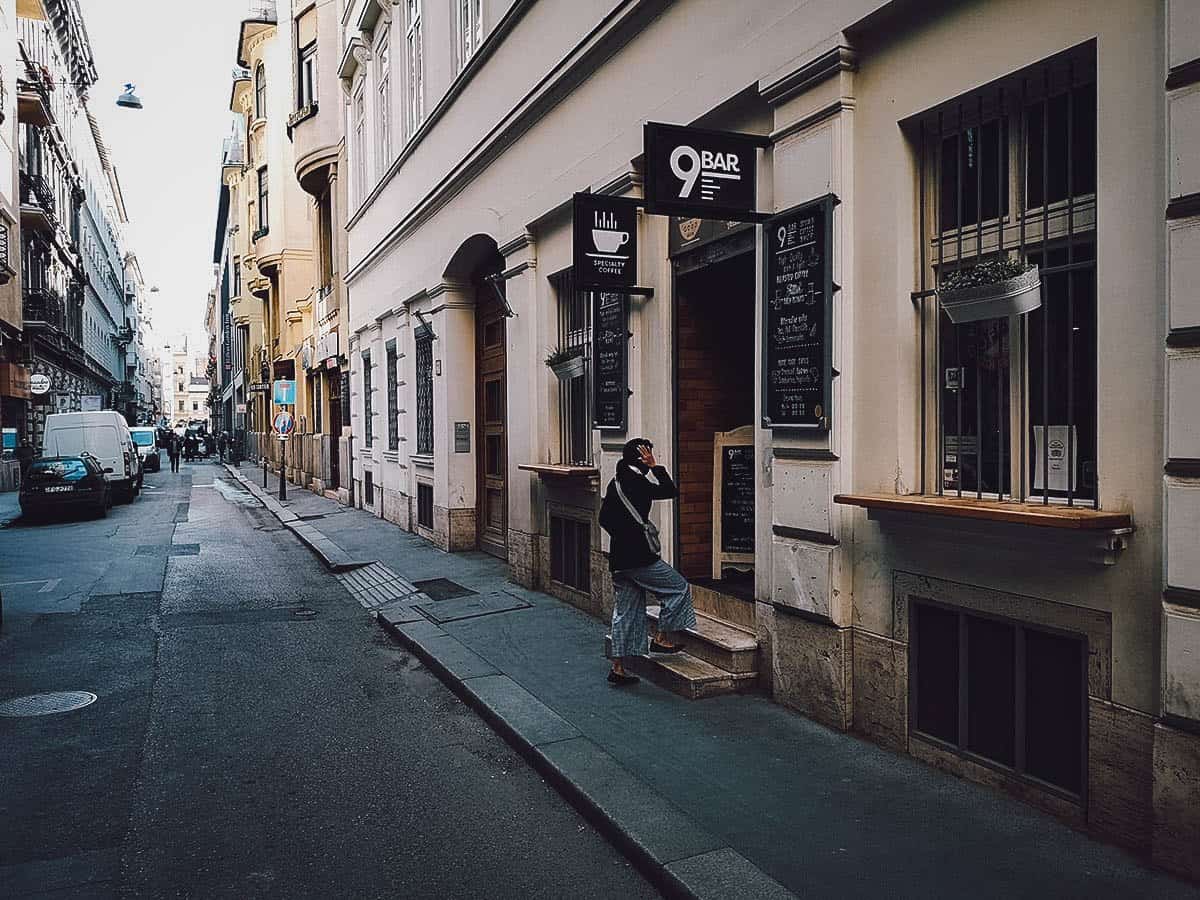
{"x":1176,"y":800}
{"x":811,"y":667}
{"x":453,"y":529}
{"x":396,"y":508}
{"x":523,"y":560}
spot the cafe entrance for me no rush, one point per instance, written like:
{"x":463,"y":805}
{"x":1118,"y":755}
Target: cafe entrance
{"x":714,"y":386}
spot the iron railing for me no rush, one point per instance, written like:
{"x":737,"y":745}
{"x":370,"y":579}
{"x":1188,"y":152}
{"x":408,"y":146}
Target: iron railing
{"x":36,"y":191}
{"x":574,"y":385}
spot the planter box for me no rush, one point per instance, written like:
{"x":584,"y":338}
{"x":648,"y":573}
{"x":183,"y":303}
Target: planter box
{"x":568,"y":369}
{"x":1011,"y":297}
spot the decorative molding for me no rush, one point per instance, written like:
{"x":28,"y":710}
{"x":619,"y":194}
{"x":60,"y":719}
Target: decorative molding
{"x":612,"y":33}
{"x":816,"y":454}
{"x":518,"y":269}
{"x":1182,"y":468}
{"x":1182,"y":597}
{"x":1184,"y":75}
{"x":356,"y":54}
{"x":835,"y":108}
{"x":808,"y":76}
{"x":1182,"y":207}
{"x":520,"y":242}
{"x":623,"y":184}
{"x":1184,"y":338}
{"x":803,"y":534}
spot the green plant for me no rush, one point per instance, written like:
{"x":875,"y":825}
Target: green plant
{"x":993,"y":271}
{"x":560,"y":355}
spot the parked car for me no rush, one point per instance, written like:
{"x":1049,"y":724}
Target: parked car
{"x":56,"y":483}
{"x":105,"y":436}
{"x":146,"y":439}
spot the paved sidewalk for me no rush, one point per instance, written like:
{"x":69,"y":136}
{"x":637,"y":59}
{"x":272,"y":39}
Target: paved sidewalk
{"x":10,"y":508}
{"x":732,"y":796}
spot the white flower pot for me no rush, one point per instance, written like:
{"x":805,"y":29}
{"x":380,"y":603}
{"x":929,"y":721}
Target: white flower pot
{"x":1011,"y":297}
{"x":568,"y":368}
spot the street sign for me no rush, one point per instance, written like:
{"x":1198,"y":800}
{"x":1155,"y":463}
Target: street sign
{"x":241,"y":408}
{"x":39,"y":384}
{"x":604,"y":242}
{"x":90,"y":402}
{"x":284,"y":424}
{"x":285,"y":392}
{"x":703,"y":173}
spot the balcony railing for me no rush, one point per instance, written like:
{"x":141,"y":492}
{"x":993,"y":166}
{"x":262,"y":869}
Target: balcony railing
{"x":35,"y":191}
{"x":45,"y":305}
{"x":124,"y":334}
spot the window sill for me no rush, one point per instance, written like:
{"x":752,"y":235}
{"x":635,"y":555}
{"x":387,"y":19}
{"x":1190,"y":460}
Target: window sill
{"x":422,"y":460}
{"x":550,"y":470}
{"x":1045,"y":516}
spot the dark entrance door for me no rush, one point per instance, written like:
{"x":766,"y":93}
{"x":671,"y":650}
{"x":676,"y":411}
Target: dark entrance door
{"x":491,"y":414}
{"x":335,"y":428}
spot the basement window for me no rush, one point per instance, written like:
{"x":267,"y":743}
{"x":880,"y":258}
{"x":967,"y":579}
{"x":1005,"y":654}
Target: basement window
{"x":1001,"y":693}
{"x":570,"y":553}
{"x":425,"y":505}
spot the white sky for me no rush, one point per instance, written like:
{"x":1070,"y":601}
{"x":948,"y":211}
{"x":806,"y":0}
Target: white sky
{"x":180,"y":54}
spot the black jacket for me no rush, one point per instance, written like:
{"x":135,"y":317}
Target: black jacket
{"x":629,"y":548}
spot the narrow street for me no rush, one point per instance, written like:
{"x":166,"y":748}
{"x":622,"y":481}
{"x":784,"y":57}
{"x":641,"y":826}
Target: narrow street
{"x":254,"y":733}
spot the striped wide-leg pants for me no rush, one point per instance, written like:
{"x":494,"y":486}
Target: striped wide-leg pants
{"x":630,"y":636}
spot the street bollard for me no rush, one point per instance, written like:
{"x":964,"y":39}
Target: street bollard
{"x":264,"y":473}
{"x":282,"y":479}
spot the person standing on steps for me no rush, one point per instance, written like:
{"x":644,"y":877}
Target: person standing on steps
{"x":636,"y":565}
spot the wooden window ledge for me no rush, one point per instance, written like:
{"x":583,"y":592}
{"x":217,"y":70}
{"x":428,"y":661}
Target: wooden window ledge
{"x":590,"y":474}
{"x":1075,"y":518}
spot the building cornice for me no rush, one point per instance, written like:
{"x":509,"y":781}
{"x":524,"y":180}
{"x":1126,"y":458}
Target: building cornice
{"x":613,"y":32}
{"x":808,"y":75}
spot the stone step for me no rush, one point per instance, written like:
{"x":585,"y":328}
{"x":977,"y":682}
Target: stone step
{"x":714,"y":602}
{"x":718,"y":643}
{"x":687,"y":676}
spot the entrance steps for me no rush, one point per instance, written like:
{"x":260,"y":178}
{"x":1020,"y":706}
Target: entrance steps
{"x":721,"y":656}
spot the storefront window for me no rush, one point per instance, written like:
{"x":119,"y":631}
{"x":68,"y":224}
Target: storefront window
{"x":1011,"y":401}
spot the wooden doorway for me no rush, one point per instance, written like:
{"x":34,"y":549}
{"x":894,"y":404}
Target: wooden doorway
{"x":491,"y":416}
{"x":335,"y":427}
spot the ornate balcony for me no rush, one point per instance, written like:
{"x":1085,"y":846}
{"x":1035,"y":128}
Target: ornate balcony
{"x":37,"y":203}
{"x":43,"y":306}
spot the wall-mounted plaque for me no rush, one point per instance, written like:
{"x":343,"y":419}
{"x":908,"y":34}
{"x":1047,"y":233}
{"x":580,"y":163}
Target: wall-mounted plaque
{"x":604,"y":242}
{"x":610,"y":360}
{"x":462,"y":437}
{"x":698,"y":172}
{"x":798,"y":318}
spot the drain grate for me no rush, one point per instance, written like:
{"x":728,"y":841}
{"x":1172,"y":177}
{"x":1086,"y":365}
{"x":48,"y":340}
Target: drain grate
{"x":46,"y":704}
{"x":167,"y":550}
{"x":442,"y":589}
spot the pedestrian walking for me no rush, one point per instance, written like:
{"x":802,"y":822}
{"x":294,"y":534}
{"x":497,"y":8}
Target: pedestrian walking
{"x":637,"y":567}
{"x":173,"y":450}
{"x":222,"y":444}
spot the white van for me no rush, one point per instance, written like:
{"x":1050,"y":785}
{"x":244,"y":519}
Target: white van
{"x":105,"y":435}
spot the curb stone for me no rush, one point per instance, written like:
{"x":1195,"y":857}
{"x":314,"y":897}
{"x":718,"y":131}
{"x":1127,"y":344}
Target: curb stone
{"x":675,"y":854}
{"x":331,"y":555}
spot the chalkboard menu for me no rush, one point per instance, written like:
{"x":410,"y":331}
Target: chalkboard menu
{"x":798,"y":319}
{"x":737,"y":498}
{"x":610,"y":360}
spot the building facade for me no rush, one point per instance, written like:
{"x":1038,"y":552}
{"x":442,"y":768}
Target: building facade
{"x":977,"y":558}
{"x":14,"y":374}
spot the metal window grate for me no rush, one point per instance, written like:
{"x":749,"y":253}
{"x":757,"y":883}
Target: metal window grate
{"x":425,"y":505}
{"x":424,"y":392}
{"x":1010,"y":171}
{"x":570,"y":552}
{"x":368,"y":410}
{"x":393,"y":401}
{"x":368,"y":489}
{"x":574,"y":391}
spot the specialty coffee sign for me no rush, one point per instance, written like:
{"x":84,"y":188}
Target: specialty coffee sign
{"x":605,"y":242}
{"x":610,"y":360}
{"x":697,"y":172}
{"x":798,"y":319}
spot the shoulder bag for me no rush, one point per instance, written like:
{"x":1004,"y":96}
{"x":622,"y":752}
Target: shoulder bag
{"x":649,"y":528}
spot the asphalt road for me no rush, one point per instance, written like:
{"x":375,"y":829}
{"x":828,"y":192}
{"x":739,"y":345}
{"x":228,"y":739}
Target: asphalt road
{"x":256,"y":735}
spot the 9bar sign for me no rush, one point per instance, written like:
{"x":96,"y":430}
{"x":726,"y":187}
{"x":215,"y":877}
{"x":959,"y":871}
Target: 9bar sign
{"x":696,"y":172}
{"x":604,"y":242}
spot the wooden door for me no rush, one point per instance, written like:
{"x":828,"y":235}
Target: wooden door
{"x":491,"y":505}
{"x":335,"y":428}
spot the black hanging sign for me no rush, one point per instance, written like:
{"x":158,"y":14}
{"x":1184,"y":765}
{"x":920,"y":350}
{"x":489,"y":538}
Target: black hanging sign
{"x":697,"y":172}
{"x":798,"y":318}
{"x":604,"y":242}
{"x":610,"y":360}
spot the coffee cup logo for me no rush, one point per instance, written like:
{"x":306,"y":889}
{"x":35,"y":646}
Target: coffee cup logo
{"x":605,"y":235}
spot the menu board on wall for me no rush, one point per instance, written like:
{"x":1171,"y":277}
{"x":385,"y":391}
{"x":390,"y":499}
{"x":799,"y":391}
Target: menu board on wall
{"x":737,"y":498}
{"x":610,"y":360}
{"x":798,"y":319}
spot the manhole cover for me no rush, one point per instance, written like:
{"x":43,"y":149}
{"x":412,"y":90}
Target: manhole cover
{"x":442,"y":589}
{"x":46,"y":704}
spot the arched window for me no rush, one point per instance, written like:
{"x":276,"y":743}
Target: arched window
{"x":260,"y":91}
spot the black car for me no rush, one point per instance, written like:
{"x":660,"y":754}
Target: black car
{"x":65,"y":482}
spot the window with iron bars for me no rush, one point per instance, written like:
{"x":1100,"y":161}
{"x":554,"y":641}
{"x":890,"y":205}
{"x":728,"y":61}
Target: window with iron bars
{"x":1009,"y":405}
{"x":368,"y":409}
{"x":424,"y":362}
{"x":575,"y":373}
{"x":393,"y":399}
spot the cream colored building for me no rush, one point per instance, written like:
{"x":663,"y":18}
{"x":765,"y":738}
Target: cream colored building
{"x":925,"y":572}
{"x":274,"y":300}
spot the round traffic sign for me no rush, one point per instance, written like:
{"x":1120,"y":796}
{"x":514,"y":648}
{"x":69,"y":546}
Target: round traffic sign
{"x":284,"y":424}
{"x":39,"y":384}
